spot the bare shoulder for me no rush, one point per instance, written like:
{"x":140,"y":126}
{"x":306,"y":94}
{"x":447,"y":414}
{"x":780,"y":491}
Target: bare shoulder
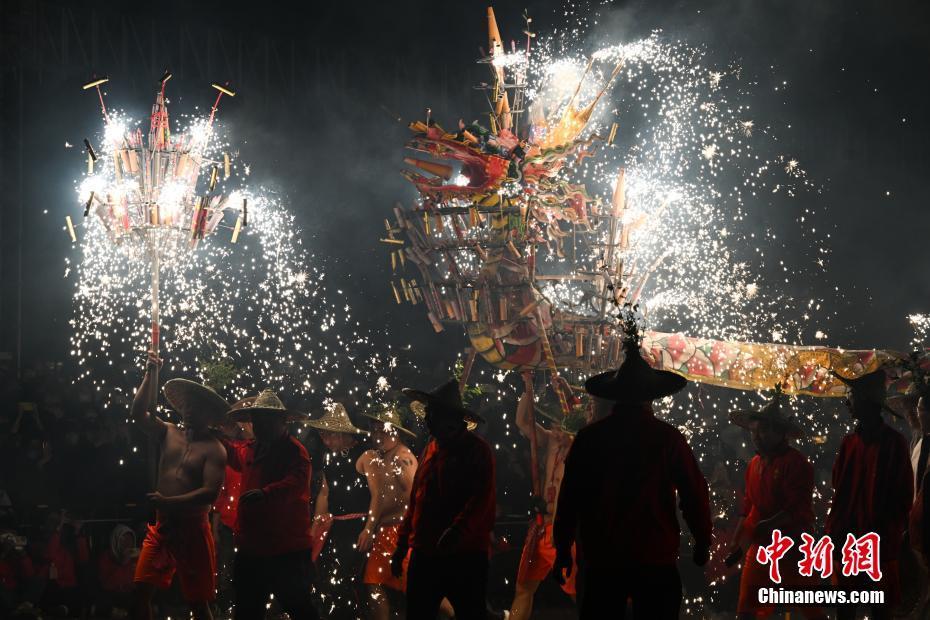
{"x":405,"y":457}
{"x":216,"y":448}
{"x":172,"y":432}
{"x":364,"y":462}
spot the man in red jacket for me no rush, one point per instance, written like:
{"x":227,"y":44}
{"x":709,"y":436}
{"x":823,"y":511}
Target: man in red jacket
{"x":873,"y":488}
{"x":449,"y":518}
{"x":618,"y":499}
{"x":273,"y":518}
{"x":779,"y":495}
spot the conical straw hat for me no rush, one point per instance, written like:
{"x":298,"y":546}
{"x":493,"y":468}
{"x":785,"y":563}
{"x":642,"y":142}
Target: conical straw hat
{"x":185,"y":395}
{"x":265,"y":401}
{"x":390,"y":415}
{"x":336,"y":420}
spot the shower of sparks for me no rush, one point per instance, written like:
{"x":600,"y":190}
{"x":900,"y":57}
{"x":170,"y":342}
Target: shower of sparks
{"x":697,"y":175}
{"x":702,"y":258}
{"x":921,"y":326}
{"x":261,"y":303}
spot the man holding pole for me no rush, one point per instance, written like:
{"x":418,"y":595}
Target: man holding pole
{"x":538,"y":554}
{"x":190,"y":474}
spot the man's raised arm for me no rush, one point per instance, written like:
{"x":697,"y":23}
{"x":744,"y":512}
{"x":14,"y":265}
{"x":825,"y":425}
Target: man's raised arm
{"x":145,"y":395}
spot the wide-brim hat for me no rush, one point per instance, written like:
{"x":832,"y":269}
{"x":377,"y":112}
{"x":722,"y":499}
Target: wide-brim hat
{"x":635,"y":380}
{"x":773,"y":414}
{"x":870,"y":387}
{"x":186,"y":395}
{"x":390,"y":415}
{"x":336,"y":420}
{"x":419,"y":410}
{"x":445,"y":399}
{"x":265,"y":401}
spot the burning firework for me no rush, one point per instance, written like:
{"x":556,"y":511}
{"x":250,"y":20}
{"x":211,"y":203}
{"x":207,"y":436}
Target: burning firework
{"x":260,"y":303}
{"x":146,"y":199}
{"x":921,"y":325}
{"x":543,"y":231}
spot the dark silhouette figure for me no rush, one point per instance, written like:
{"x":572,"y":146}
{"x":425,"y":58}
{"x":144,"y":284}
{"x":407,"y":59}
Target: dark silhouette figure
{"x":273,"y":518}
{"x":448,"y":522}
{"x":873,"y":489}
{"x":618,"y":499}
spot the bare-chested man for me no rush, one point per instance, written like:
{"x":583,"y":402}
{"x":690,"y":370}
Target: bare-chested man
{"x":389,"y":469}
{"x":553,"y":444}
{"x":190,"y":474}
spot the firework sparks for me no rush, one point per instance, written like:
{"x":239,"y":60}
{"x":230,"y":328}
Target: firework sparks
{"x":261,"y":303}
{"x":921,"y":326}
{"x":693,"y":255}
{"x":681,"y":252}
{"x":709,"y":152}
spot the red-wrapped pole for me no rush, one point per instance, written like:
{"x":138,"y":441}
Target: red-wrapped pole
{"x":155,"y":326}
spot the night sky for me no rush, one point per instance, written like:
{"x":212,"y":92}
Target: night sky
{"x":322,"y":87}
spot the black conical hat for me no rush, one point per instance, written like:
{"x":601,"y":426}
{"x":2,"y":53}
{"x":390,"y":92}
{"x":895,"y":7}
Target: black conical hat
{"x":635,"y":380}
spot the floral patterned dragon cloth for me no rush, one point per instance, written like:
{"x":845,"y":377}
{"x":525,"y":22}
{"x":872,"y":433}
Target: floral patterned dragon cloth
{"x":754,"y":366}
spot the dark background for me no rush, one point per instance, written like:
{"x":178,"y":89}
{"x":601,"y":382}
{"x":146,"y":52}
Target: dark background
{"x":326,"y":90}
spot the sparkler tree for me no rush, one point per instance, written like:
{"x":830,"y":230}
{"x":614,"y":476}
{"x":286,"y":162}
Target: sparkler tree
{"x":509,"y":246}
{"x":152,"y":207}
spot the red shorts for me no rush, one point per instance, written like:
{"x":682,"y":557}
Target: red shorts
{"x":378,"y":566}
{"x":538,"y":558}
{"x":756,"y":576}
{"x":183,"y":545}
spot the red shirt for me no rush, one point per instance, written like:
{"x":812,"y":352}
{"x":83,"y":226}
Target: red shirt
{"x":873,"y":487}
{"x":618,"y":492}
{"x":59,"y":564}
{"x":225,"y":505}
{"x":280,"y":521}
{"x":453,"y":487}
{"x":784,"y":482}
{"x":114,"y":575}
